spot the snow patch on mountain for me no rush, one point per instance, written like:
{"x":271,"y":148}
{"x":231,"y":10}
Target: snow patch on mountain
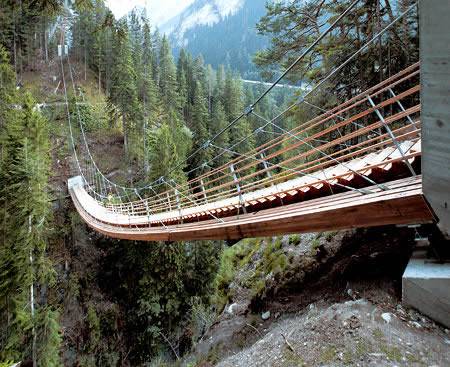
{"x":228,"y":7}
{"x":205,"y":16}
{"x":200,"y":13}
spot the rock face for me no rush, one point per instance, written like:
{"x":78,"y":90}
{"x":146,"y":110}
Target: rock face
{"x":232,"y":308}
{"x":387,"y":317}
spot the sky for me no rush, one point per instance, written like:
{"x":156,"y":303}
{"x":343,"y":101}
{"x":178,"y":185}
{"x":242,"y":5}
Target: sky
{"x":159,"y":11}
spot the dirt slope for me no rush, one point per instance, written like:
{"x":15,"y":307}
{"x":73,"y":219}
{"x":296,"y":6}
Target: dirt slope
{"x":335,"y":301}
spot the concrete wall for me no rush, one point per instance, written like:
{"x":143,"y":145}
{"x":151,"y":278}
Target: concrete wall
{"x":435,"y":98}
{"x":426,"y":285}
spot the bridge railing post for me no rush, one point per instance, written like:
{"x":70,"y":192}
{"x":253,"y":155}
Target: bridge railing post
{"x":168,"y":200}
{"x":238,"y":187}
{"x":177,"y":196}
{"x":266,"y":167}
{"x":203,"y":190}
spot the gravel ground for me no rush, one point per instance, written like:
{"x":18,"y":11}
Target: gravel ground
{"x":357,"y":333}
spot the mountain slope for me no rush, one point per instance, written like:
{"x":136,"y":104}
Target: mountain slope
{"x":223,"y":31}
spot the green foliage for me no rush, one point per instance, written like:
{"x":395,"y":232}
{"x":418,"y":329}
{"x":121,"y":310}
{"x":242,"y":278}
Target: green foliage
{"x":167,"y":157}
{"x":6,"y":364}
{"x":394,"y":51}
{"x":232,"y":99}
{"x":265,"y":257}
{"x":315,"y":244}
{"x":92,"y":116}
{"x":218,"y":122}
{"x":202,"y":264}
{"x":22,"y":31}
{"x":94,"y":328}
{"x":232,"y":259}
{"x":295,"y":239}
{"x":164,"y":289}
{"x":50,"y":338}
{"x":202,"y":317}
{"x":160,"y":289}
{"x":123,"y":91}
{"x":167,"y":77}
{"x":25,"y":218}
{"x":274,"y":260}
{"x":330,"y":235}
{"x":199,"y":127}
{"x":225,"y":274}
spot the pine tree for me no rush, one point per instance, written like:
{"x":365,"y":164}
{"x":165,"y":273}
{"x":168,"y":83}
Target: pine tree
{"x":148,"y":93}
{"x":199,"y":129}
{"x":160,"y":304}
{"x":123,"y":88}
{"x":395,"y":50}
{"x":24,"y":31}
{"x":220,"y":83}
{"x":25,"y":214}
{"x":169,"y":148}
{"x":265,"y":109}
{"x":218,"y":122}
{"x":240,"y":132}
{"x":183,"y":92}
{"x":155,"y":61}
{"x":201,"y":268}
{"x":168,"y":77}
{"x":136,"y":39}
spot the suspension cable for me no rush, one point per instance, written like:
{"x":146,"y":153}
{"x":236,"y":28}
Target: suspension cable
{"x":302,"y":98}
{"x":250,"y":109}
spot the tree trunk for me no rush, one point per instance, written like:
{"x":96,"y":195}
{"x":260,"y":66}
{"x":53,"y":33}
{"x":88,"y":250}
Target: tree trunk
{"x":380,"y":50}
{"x":20,"y":47}
{"x":45,"y":40}
{"x":125,"y":134}
{"x":99,"y":72}
{"x":85,"y":62}
{"x":14,"y":43}
{"x":33,"y":330}
{"x":146,"y":164}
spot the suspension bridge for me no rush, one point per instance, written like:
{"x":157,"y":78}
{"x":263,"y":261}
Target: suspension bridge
{"x":358,"y":164}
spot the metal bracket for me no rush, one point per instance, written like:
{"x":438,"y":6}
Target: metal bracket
{"x":248,"y":110}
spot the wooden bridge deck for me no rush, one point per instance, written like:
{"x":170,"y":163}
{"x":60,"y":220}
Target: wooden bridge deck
{"x":368,"y":183}
{"x":381,"y":164}
{"x":403,"y":203}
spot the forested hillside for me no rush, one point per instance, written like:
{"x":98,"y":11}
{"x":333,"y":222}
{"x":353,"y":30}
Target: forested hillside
{"x":70,"y":296}
{"x":223,"y":32}
{"x":163,"y":109}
